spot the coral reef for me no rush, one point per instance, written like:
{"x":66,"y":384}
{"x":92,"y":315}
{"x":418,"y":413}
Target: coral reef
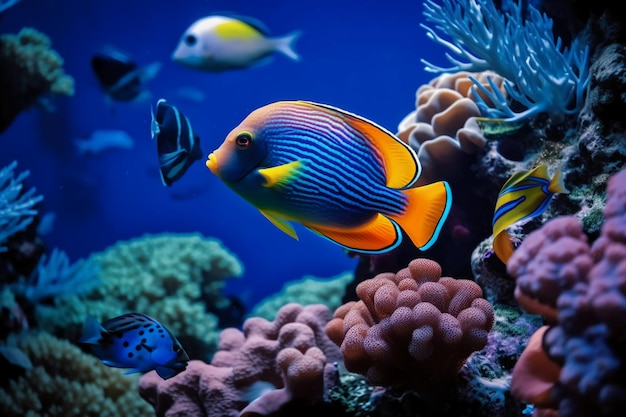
{"x":55,"y":276}
{"x":65,"y":382}
{"x":518,"y":45}
{"x":581,"y":290}
{"x":171,"y":277}
{"x":29,"y":69}
{"x":443,"y":129}
{"x":308,"y":290}
{"x":283,"y":360}
{"x":413,"y":328}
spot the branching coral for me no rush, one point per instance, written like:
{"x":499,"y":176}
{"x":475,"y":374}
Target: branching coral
{"x":286,"y":356}
{"x":17,"y":206}
{"x":412,"y":328}
{"x":55,"y":276}
{"x":29,"y":68}
{"x":65,"y":382}
{"x":519,"y":46}
{"x":585,"y":288}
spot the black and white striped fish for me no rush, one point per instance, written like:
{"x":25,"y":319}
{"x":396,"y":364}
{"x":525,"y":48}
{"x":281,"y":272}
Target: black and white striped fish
{"x":177,"y":145}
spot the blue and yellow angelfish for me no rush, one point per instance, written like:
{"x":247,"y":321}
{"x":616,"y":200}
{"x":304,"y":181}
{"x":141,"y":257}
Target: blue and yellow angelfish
{"x":526,"y":194}
{"x":340,"y":175}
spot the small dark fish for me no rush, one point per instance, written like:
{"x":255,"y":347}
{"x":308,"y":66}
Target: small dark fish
{"x":177,"y":145}
{"x":120,"y":77}
{"x":135,"y":341}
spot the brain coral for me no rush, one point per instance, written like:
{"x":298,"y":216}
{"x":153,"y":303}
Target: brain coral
{"x":168,"y":276}
{"x":442,"y":128}
{"x":412,"y":328}
{"x":65,"y":382}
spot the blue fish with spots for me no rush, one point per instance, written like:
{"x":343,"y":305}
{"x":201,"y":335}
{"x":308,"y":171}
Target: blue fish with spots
{"x":338,"y":174}
{"x":135,"y":341}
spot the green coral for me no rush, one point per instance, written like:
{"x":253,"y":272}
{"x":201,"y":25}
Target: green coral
{"x":352,"y":394}
{"x":30,"y":69}
{"x":66,"y":382}
{"x":171,"y":277}
{"x":305,"y":291}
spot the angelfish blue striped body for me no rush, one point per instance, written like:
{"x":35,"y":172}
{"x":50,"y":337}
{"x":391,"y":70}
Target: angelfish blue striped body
{"x":336,"y":173}
{"x":135,"y":341}
{"x":321,"y":193}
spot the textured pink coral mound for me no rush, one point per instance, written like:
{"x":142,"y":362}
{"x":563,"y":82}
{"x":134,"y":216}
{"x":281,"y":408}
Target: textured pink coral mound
{"x":551,"y":260}
{"x":284,"y":359}
{"x":586,"y":288}
{"x":412,"y":328}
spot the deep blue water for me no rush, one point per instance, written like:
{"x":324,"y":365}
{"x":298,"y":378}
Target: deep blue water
{"x":359,"y":55}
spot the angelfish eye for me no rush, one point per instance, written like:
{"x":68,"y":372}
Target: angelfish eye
{"x":176,"y":348}
{"x":191,"y":40}
{"x":243,"y":140}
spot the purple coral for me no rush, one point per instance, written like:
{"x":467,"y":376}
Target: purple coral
{"x":587,"y":341}
{"x":284,"y":359}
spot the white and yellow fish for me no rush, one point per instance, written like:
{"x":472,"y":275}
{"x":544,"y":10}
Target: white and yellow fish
{"x":220,"y":43}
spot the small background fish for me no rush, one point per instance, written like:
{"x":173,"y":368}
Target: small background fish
{"x":135,"y":341}
{"x":177,"y":145}
{"x":101,"y":140}
{"x":219,"y":43}
{"x":525,"y":195}
{"x":119,"y":75}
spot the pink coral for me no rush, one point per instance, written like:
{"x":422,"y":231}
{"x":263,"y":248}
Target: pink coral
{"x":587,"y":288}
{"x":553,"y":259}
{"x":284,"y":358}
{"x":412,"y":328}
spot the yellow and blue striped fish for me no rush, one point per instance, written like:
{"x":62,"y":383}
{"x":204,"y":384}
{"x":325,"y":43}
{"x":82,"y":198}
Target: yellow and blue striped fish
{"x":338,"y":174}
{"x":526,"y":194}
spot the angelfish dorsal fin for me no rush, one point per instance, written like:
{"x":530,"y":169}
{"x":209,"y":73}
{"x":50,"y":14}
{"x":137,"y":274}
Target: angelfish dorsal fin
{"x":400,"y":161}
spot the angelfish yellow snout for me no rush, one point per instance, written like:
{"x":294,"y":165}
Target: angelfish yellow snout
{"x":211,"y":163}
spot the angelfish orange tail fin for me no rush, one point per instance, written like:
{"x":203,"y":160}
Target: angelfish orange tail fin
{"x":427,"y":209}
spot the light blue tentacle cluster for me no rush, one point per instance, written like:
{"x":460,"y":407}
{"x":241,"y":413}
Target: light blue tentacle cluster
{"x":55,"y":276}
{"x":519,"y":46}
{"x":17,"y":208}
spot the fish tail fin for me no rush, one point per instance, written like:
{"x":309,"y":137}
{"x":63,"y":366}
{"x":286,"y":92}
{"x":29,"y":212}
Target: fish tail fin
{"x":427,"y":209}
{"x":286,"y":45}
{"x":556,"y":184}
{"x":502,"y":246}
{"x":92,"y":331}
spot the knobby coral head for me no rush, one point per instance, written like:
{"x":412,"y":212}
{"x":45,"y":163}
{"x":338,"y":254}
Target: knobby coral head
{"x":576,"y":366}
{"x":412,"y":328}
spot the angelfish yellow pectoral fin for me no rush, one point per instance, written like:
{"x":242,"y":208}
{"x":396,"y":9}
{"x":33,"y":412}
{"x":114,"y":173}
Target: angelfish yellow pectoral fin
{"x":282,"y":224}
{"x":280,"y":175}
{"x":376,"y":236}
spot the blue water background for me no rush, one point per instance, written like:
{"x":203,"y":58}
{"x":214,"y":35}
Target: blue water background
{"x":359,"y":55}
